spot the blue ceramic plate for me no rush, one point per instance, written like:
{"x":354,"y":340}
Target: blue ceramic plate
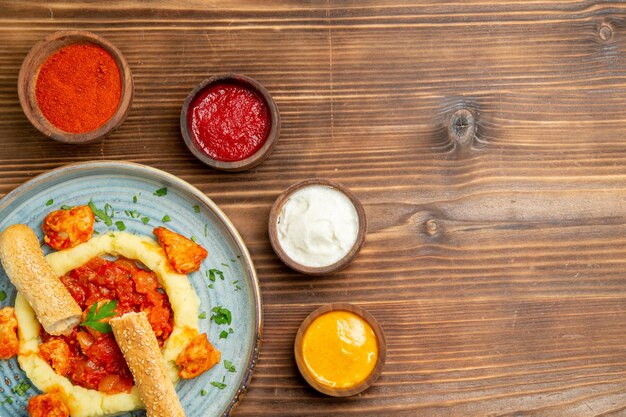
{"x":131,"y":191}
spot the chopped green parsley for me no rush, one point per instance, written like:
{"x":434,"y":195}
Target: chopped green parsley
{"x":221,"y":315}
{"x":215,"y":272}
{"x":219,"y":385}
{"x":100,"y":214}
{"x":132,"y":214}
{"x":21,"y":388}
{"x":95,"y":315}
{"x":229,"y":366}
{"x":161,"y":192}
{"x":109,"y":210}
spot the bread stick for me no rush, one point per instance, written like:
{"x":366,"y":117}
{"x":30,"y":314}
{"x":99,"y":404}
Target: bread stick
{"x":24,"y":263}
{"x":137,"y":341}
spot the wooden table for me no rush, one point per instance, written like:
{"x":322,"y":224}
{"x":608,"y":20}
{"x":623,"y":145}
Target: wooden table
{"x":486,"y":141}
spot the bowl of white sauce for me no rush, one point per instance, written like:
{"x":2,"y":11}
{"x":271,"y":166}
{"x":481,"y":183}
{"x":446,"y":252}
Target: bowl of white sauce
{"x":317,"y":226}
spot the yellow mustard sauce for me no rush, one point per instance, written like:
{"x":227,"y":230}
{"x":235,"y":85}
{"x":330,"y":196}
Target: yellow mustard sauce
{"x":340,"y":349}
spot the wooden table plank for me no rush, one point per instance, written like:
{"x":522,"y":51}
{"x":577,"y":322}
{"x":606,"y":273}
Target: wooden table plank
{"x":496,"y":268}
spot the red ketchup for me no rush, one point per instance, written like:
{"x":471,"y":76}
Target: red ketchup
{"x":229,"y":122}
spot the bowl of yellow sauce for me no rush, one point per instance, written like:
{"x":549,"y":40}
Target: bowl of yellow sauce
{"x":340,"y":349}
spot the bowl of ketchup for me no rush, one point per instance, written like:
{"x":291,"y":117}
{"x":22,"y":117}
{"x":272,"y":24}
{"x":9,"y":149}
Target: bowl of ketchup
{"x":230,"y":122}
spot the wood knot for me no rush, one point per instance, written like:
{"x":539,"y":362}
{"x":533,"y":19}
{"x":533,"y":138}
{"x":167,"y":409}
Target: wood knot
{"x":432,"y":227}
{"x":605,"y":32}
{"x":462,"y":126}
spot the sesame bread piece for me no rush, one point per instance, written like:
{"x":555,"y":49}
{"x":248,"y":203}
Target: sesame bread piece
{"x":137,"y":341}
{"x":26,"y":267}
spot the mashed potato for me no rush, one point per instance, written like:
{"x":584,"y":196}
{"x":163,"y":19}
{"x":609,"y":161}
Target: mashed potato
{"x":84,"y":402}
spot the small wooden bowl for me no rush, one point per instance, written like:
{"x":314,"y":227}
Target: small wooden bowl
{"x":272,"y":137}
{"x":323,"y":270}
{"x":382,"y":350}
{"x":27,"y":81}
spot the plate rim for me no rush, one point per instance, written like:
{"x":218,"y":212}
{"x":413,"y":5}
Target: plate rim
{"x":221,"y":216}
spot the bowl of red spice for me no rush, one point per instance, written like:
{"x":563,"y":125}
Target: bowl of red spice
{"x":75,"y":87}
{"x":230,"y":122}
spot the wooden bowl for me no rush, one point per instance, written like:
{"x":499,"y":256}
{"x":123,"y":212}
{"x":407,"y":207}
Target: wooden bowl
{"x":382,"y":350}
{"x":323,"y":270}
{"x":28,"y":79}
{"x":272,"y":137}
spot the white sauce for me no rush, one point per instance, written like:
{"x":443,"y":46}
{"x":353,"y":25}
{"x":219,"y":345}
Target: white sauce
{"x":317,"y":226}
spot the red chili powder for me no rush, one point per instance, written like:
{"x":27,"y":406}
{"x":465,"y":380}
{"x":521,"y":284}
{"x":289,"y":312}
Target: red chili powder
{"x":229,"y":122}
{"x":79,"y":88}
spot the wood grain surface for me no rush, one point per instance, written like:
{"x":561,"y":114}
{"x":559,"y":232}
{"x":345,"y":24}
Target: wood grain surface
{"x":495,"y":259}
